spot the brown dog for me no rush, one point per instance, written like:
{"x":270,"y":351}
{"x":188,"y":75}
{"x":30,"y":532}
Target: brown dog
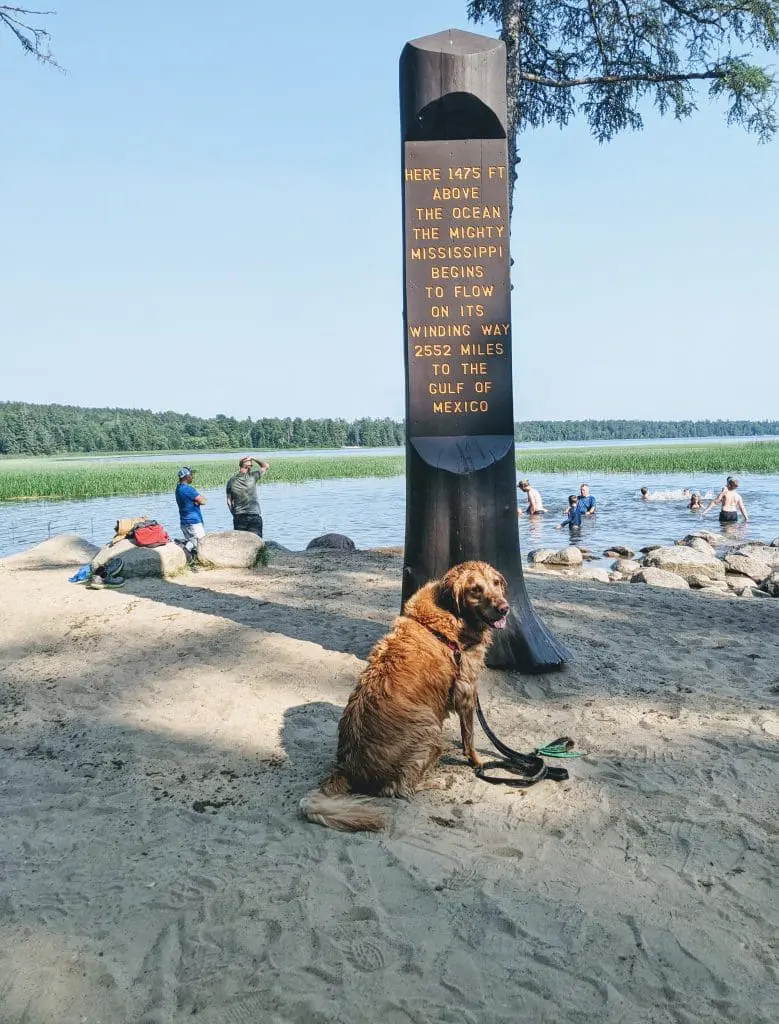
{"x":390,"y":733}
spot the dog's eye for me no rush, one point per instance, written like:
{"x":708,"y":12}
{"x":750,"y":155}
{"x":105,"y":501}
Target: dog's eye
{"x":477,"y":590}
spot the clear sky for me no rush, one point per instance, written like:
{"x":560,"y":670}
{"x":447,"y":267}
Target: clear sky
{"x":204,"y":215}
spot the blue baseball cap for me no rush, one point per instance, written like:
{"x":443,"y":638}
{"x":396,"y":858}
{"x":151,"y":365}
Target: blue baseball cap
{"x":185,"y":471}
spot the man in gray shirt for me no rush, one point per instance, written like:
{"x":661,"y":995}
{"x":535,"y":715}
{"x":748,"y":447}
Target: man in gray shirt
{"x":242,"y":495}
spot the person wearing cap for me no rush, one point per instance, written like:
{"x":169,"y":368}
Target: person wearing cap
{"x":242,"y":497}
{"x":189,"y":501}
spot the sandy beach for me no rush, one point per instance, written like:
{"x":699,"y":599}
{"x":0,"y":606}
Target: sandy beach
{"x":155,"y":742}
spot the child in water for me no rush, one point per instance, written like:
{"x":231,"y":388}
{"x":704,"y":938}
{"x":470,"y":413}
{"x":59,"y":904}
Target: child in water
{"x":695,"y":503}
{"x":574,"y":518}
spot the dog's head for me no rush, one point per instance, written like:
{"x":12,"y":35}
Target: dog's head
{"x":476,"y":593}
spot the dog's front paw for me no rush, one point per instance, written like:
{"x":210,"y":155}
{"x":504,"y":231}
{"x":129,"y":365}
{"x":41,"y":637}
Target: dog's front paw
{"x":473,"y":758}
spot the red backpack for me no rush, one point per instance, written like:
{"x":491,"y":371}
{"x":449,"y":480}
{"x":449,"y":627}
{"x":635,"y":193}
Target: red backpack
{"x":149,"y":534}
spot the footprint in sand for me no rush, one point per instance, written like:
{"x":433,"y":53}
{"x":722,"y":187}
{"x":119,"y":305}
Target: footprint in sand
{"x":366,"y":955}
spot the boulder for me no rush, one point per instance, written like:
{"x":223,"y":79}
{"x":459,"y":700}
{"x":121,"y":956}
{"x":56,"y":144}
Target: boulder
{"x":771,"y":585}
{"x":649,"y":547}
{"x":167,"y":560}
{"x":762,"y":552}
{"x":331,"y":542}
{"x":617,"y":577}
{"x":706,"y":582}
{"x":625,"y":566}
{"x":685,"y":562}
{"x":715,"y":539}
{"x":698,"y":544}
{"x":567,"y":557}
{"x":273,"y":545}
{"x":745,"y":565}
{"x":594,"y":572}
{"x":230,"y":549}
{"x":660,"y":578}
{"x":618,"y":551}
{"x":539,"y":556}
{"x":738,"y":584}
{"x":64,"y":551}
{"x":775,"y":542}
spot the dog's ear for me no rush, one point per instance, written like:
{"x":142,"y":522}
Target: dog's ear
{"x":449,"y":593}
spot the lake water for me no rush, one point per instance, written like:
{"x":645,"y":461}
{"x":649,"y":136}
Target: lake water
{"x":371,"y":512}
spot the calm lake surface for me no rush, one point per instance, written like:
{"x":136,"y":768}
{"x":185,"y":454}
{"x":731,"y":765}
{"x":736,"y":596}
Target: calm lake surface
{"x":371,"y":511}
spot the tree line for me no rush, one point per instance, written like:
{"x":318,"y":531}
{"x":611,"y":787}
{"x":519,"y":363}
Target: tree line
{"x":27,"y":429}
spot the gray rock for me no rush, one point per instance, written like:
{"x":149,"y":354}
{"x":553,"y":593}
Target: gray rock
{"x":715,"y":539}
{"x":618,"y":551}
{"x":649,"y":547}
{"x":775,"y":542}
{"x":567,"y":557}
{"x":168,"y":560}
{"x":755,"y":568}
{"x":698,"y":544}
{"x":771,"y":585}
{"x":64,"y":551}
{"x":230,"y":549}
{"x":539,"y":556}
{"x":625,"y":566}
{"x":660,"y":578}
{"x":273,"y":545}
{"x":331,"y":542}
{"x":706,"y":583}
{"x":762,"y":552}
{"x":594,"y":572}
{"x":738,"y":584}
{"x":685,"y":562}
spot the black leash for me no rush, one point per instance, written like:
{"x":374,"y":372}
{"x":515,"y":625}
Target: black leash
{"x":526,"y":769}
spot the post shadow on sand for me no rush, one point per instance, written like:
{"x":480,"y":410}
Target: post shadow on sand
{"x":330,"y":630}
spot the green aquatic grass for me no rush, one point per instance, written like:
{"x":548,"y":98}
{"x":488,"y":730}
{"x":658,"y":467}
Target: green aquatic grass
{"x":753,"y":457}
{"x":45,"y":478}
{"x":38,"y":478}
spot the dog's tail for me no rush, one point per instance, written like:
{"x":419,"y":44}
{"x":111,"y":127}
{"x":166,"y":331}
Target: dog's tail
{"x":345,"y":813}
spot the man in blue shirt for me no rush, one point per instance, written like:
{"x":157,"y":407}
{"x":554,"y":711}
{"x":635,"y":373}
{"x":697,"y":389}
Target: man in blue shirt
{"x":586,"y":502}
{"x":189,"y":501}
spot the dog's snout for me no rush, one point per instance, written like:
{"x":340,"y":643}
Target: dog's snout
{"x":503,"y":607}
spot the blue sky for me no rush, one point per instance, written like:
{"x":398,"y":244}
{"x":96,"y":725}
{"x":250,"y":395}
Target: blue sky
{"x":204,"y":215}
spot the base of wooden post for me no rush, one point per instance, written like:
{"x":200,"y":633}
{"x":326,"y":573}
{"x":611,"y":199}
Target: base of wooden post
{"x":458,"y":517}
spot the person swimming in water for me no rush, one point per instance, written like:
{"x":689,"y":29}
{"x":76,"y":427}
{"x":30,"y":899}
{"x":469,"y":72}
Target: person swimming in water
{"x":695,"y":503}
{"x":730,"y":502}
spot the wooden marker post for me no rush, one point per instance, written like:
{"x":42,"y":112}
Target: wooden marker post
{"x":461,"y":499}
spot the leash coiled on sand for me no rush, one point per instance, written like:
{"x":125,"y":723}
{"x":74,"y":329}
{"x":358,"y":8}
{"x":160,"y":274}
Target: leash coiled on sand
{"x":525,"y":769}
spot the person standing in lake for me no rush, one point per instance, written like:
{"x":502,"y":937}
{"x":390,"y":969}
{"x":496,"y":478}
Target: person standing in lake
{"x":189,"y":501}
{"x":586,"y":501}
{"x":573,"y":520}
{"x":535,"y":504}
{"x":242,"y":497}
{"x":730,"y":502}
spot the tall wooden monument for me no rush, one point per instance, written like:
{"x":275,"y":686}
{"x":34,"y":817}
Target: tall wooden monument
{"x":461,"y":500}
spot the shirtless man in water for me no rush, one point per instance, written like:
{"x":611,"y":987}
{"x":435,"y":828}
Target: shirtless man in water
{"x":730,"y":502}
{"x":535,"y":504}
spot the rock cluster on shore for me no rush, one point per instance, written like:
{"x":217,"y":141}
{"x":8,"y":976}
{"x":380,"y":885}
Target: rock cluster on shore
{"x":749,"y":570}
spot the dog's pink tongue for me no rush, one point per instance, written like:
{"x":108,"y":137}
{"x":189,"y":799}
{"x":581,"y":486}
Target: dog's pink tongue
{"x":500,"y":623}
